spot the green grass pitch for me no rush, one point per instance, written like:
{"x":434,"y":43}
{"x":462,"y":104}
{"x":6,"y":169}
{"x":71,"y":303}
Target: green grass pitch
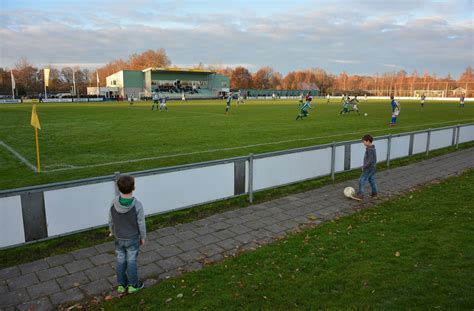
{"x":86,"y":140}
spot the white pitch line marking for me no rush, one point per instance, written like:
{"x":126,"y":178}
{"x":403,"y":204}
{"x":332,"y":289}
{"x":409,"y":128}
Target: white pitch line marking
{"x":237,"y":147}
{"x":19,"y":156}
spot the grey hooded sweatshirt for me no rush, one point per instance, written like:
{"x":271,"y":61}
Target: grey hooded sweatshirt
{"x":127,"y":222}
{"x":370,"y":158}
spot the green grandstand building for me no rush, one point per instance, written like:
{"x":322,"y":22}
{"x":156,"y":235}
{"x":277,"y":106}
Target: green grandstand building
{"x":173,"y":82}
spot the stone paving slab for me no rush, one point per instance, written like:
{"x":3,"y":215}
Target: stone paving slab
{"x":61,"y":280}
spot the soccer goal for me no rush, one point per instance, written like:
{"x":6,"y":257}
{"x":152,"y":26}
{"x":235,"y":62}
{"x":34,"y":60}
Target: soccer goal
{"x":429,"y":93}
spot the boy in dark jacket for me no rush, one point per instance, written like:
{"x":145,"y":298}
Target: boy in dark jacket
{"x":368,"y":169}
{"x":127,"y":224}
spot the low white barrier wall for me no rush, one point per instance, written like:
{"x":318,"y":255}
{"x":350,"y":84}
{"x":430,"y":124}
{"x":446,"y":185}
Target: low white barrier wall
{"x":174,"y":190}
{"x":466,"y":134}
{"x":40,"y":212}
{"x":76,"y":208}
{"x":289,"y":168}
{"x":11,"y":221}
{"x":10,"y":101}
{"x":419,"y":143}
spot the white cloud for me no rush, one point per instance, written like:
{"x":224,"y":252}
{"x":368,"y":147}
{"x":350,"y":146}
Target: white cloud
{"x":357,"y":36}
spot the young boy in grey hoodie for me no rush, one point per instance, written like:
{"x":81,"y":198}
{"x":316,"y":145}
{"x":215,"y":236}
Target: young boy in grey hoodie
{"x":127,"y":224}
{"x":368,"y":169}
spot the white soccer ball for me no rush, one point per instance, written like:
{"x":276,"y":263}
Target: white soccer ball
{"x":349,"y":192}
{"x":365,"y":114}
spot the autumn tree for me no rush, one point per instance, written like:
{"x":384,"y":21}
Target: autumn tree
{"x":262,"y":79}
{"x":323,"y":80}
{"x":25,"y":76}
{"x":289,"y":81}
{"x":149,"y":58}
{"x":5,"y":81}
{"x":467,"y":75}
{"x":275,"y":80}
{"x":241,"y":78}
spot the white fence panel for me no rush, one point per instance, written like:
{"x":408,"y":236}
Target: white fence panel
{"x":440,"y":139}
{"x":381,"y":149}
{"x":357,"y":155}
{"x":419,"y":142}
{"x":400,"y":147}
{"x":466,"y":133}
{"x":11,"y":221}
{"x":169,"y":191}
{"x":288,"y":168}
{"x":78,"y":208}
{"x":85,"y":206}
{"x":339,"y":164}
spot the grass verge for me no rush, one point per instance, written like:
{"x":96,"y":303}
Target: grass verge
{"x":61,"y":245}
{"x":413,"y":252}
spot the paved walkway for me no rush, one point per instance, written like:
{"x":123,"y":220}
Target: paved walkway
{"x":61,"y":280}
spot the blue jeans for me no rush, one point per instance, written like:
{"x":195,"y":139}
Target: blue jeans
{"x":369,"y":175}
{"x":126,"y":266}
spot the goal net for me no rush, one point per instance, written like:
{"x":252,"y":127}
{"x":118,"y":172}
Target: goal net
{"x":429,"y":93}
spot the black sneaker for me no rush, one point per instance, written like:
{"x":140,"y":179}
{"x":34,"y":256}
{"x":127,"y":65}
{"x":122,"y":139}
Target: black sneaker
{"x":374,"y":195}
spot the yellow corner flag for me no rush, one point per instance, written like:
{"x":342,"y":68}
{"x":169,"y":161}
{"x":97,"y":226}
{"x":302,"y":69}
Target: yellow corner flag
{"x":34,"y":118}
{"x":36,"y":124}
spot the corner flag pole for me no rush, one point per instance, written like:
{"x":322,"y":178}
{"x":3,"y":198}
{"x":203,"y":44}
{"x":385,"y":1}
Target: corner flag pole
{"x":37,"y":151}
{"x":36,"y":124}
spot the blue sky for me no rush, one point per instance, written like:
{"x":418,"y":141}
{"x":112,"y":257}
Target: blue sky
{"x":361,"y":37}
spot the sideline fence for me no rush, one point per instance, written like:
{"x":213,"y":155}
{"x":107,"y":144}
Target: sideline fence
{"x":42,"y":212}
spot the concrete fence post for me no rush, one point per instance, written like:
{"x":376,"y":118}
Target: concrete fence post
{"x":251,"y":178}
{"x":428,"y":142}
{"x":389,"y":149}
{"x":453,"y":141}
{"x":411,"y":143}
{"x":458,"y":131}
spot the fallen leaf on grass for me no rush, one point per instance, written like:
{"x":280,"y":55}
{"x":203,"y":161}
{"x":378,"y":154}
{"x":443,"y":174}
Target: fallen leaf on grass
{"x":73,"y":307}
{"x":312,"y":217}
{"x":397,"y":254}
{"x":168,"y":300}
{"x":109,"y":297}
{"x":180,"y":295}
